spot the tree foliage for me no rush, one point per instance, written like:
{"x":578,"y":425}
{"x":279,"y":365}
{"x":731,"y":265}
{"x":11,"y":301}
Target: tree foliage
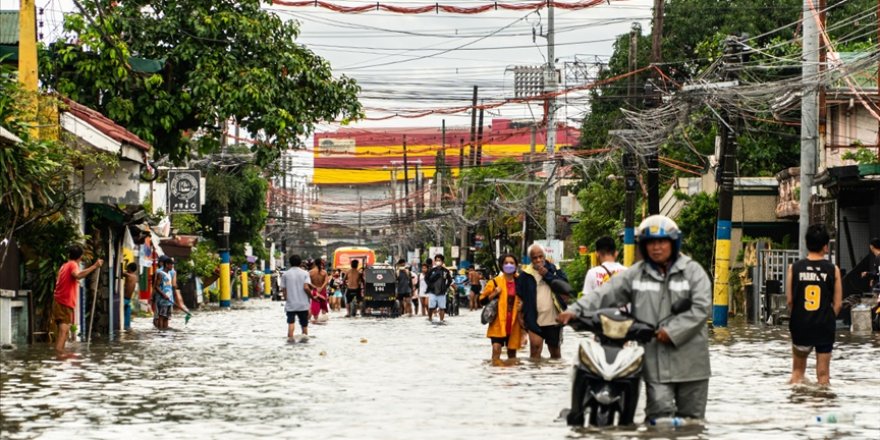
{"x":492,"y":222}
{"x":697,"y":224}
{"x":241,"y":191}
{"x":221,"y":60}
{"x":693,"y":33}
{"x":602,"y":199}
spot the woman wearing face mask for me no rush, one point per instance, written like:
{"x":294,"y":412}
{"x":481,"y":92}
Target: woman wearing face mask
{"x":507,"y":328}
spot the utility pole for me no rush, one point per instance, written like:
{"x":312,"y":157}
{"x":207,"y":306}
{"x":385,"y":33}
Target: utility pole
{"x":472,"y":152}
{"x":550,"y":87}
{"x":405,"y":182}
{"x":630,"y":165}
{"x":440,"y":161}
{"x":479,"y":161}
{"x":809,"y":118}
{"x":653,"y":158}
{"x":360,"y":218}
{"x":460,"y":156}
{"x":419,"y":196}
{"x":527,"y":209}
{"x":27,"y":61}
{"x":393,"y":195}
{"x":657,"y":32}
{"x":723,"y":229}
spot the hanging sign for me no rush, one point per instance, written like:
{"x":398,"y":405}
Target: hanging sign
{"x":184,"y":189}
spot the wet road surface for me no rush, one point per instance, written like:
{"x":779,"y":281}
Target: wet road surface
{"x":232,"y":374}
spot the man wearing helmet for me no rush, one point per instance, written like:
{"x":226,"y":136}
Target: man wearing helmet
{"x":676,"y":369}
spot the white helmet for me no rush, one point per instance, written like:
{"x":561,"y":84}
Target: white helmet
{"x":658,"y":227}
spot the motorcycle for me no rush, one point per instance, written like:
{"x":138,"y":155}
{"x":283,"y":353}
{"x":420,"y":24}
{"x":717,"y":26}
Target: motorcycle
{"x":608,"y":368}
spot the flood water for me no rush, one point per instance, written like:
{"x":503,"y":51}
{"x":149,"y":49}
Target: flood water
{"x":232,"y":374}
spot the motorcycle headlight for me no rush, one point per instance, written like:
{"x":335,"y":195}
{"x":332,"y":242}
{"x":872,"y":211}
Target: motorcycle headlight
{"x":615,"y":329}
{"x":632,"y":367}
{"x":586,"y":361}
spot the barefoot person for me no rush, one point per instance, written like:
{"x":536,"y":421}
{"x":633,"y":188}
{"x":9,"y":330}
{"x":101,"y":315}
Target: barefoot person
{"x":131,"y":282}
{"x":66,"y":292}
{"x":541,"y":305}
{"x":320,"y":279}
{"x":507,"y":329}
{"x":814,"y":294}
{"x":297,"y":287}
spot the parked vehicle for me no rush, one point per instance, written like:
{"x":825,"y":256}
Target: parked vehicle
{"x":342,"y":257}
{"x":380,"y":290}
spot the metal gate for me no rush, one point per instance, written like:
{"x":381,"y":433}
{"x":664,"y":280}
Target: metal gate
{"x":772,"y":268}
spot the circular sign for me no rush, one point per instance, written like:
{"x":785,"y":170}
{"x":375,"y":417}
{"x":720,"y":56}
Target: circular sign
{"x":184,"y":186}
{"x":379,"y":276}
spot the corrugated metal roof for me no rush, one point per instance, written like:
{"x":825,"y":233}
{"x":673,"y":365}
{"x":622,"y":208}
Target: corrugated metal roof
{"x":104,"y":124}
{"x":9,"y":27}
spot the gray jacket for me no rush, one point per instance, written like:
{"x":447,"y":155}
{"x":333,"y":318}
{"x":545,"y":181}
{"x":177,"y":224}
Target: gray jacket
{"x":652,"y":295}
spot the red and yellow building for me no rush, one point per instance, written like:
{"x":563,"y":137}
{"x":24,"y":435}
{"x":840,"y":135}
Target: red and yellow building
{"x":352,"y":156}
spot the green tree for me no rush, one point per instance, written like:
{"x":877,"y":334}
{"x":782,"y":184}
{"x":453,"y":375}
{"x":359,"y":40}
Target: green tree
{"x":697,"y":223}
{"x":482,"y":206}
{"x":218,"y":60}
{"x":602,"y":199}
{"x":35,"y":191}
{"x":242,"y":191}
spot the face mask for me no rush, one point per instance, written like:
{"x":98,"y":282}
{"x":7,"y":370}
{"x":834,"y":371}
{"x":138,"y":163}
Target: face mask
{"x":437,"y":263}
{"x":509,"y":268}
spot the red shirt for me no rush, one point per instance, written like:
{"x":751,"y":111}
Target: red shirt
{"x":67,"y":286}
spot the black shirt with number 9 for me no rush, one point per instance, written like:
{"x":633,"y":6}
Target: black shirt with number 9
{"x":812,"y":312}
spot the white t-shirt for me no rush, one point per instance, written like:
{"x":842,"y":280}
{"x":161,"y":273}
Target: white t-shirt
{"x":294,"y":280}
{"x":599,"y":275}
{"x":423,"y":286}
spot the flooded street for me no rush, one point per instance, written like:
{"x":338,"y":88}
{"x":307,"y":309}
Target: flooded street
{"x":232,"y":374}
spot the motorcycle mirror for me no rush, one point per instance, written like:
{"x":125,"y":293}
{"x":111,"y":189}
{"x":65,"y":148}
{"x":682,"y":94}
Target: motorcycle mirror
{"x":560,"y":287}
{"x":681,"y":306}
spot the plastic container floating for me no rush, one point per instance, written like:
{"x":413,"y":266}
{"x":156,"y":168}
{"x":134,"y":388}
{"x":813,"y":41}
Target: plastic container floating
{"x":673,"y":422}
{"x":835,"y":418}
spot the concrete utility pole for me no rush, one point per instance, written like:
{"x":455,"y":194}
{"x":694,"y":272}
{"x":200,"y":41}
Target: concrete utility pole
{"x":472,"y":145}
{"x":723,"y":228}
{"x":657,"y":32}
{"x":653,"y":155}
{"x":479,"y":161}
{"x":405,"y":182}
{"x":630,"y":166}
{"x":393,"y":195}
{"x":809,"y":118}
{"x":27,"y":62}
{"x":419,"y":187}
{"x":550,"y":87}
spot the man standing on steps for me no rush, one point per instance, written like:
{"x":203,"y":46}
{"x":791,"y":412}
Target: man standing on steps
{"x":297,"y":287}
{"x":438,"y":280}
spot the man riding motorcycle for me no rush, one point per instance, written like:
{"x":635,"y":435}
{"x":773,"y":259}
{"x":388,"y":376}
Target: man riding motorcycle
{"x":676,"y":363}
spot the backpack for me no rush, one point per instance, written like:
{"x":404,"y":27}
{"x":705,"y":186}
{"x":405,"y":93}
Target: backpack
{"x":438,"y":286}
{"x":404,"y":281}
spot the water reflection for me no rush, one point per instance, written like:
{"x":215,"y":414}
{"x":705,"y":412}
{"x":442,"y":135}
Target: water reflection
{"x":232,"y":374}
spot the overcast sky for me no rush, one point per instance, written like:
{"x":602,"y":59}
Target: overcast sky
{"x":433,"y":60}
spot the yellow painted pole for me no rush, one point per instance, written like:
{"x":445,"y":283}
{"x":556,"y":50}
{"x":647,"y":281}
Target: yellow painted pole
{"x":721,"y":293}
{"x":225,"y":293}
{"x":244,"y":282}
{"x":27,"y":60}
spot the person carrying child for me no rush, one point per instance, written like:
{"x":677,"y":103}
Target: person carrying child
{"x":814,"y":294}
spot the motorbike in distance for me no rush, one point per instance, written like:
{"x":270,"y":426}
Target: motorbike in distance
{"x":607,"y":371}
